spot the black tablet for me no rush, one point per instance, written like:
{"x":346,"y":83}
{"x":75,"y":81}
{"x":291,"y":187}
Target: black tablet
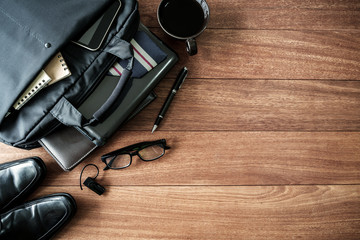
{"x":95,"y":35}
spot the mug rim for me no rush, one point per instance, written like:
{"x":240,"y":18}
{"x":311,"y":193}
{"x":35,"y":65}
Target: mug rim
{"x":192,"y":36}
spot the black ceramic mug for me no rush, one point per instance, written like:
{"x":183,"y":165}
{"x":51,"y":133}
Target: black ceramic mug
{"x":184,"y":20}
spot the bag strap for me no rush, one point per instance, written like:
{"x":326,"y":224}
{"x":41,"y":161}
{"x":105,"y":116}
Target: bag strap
{"x":123,"y":50}
{"x":68,"y":115}
{"x":102,"y":112}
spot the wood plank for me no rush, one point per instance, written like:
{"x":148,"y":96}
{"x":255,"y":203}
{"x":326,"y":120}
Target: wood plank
{"x":271,"y":4}
{"x":270,"y":212}
{"x":223,"y":158}
{"x":310,"y":15}
{"x":276,"y":54}
{"x":265,"y":134}
{"x":256,"y":105}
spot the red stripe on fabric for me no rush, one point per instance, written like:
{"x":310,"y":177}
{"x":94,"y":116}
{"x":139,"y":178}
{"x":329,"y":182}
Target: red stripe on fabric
{"x":117,"y":71}
{"x":143,"y":57}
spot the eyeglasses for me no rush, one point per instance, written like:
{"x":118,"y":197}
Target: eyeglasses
{"x":147,"y":151}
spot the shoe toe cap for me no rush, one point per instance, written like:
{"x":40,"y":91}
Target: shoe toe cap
{"x":40,"y":218}
{"x":18,"y":179}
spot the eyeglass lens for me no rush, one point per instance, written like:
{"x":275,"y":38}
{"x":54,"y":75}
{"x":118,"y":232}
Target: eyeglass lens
{"x":152,"y":152}
{"x":119,"y":161}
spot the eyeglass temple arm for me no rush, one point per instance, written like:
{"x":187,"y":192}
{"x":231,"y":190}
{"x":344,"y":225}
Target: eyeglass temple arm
{"x":136,"y":145}
{"x":124,"y":149}
{"x":131,"y":147}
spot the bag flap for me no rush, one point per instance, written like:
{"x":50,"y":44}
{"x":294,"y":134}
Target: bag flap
{"x":31,"y":33}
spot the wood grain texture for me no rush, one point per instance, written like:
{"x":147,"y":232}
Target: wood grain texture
{"x":225,"y":158}
{"x":276,"y":54}
{"x":271,"y":212}
{"x":265,"y":134}
{"x":256,"y":105}
{"x":299,"y":15}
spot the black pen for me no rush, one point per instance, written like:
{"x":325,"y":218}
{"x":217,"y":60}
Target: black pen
{"x":177,"y":85}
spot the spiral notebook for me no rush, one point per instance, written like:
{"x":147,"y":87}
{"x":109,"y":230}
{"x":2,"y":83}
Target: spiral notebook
{"x":54,"y":71}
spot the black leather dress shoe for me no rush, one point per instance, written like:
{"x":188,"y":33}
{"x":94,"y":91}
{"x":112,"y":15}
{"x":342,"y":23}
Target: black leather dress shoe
{"x":18,"y":179}
{"x":39,"y":219}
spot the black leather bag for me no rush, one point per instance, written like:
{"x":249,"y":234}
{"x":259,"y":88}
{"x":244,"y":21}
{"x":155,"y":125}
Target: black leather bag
{"x":31,"y":33}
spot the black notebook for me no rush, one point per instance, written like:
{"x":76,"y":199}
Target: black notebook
{"x":69,"y":147}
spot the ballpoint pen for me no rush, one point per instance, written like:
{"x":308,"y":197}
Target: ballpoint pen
{"x":177,"y":85}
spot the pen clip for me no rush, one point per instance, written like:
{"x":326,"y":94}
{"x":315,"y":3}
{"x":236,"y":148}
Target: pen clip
{"x":183,"y":80}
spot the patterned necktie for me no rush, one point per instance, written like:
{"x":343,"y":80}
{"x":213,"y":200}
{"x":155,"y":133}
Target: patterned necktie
{"x":147,"y":55}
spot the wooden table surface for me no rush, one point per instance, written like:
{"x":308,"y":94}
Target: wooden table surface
{"x":265,"y":134}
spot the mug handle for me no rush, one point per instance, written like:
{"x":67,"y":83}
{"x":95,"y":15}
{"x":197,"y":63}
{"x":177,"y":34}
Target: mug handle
{"x":191,"y":46}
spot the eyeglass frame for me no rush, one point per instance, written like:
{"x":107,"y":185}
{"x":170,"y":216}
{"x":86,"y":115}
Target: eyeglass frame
{"x":133,"y":150}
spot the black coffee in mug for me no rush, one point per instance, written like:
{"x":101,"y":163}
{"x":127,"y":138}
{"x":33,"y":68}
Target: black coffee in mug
{"x":184,"y":19}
